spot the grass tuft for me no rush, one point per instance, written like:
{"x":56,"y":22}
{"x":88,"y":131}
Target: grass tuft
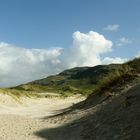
{"x":117,"y":77}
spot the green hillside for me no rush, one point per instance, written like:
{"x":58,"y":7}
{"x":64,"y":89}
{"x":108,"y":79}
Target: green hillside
{"x":84,"y":80}
{"x":80,"y":80}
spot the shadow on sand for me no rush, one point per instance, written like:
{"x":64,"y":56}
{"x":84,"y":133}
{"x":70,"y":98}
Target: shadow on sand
{"x":116,"y":120}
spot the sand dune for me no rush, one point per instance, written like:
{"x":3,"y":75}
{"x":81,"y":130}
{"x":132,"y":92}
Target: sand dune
{"x":20,"y":121}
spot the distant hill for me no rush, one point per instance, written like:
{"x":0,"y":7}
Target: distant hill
{"x":85,"y":80}
{"x":79,"y":80}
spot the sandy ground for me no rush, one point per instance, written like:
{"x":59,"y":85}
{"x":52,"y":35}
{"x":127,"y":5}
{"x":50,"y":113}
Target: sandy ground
{"x":21,"y":121}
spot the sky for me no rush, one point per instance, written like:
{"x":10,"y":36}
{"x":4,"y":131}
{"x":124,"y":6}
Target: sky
{"x":43,"y":37}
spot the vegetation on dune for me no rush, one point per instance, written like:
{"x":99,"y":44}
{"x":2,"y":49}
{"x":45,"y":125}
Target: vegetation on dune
{"x":135,"y":64}
{"x":17,"y":94}
{"x":118,"y":77}
{"x":30,"y":87}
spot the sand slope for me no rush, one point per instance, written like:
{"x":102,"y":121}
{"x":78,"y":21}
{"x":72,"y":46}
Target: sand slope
{"x":20,"y":121}
{"x":116,"y":118}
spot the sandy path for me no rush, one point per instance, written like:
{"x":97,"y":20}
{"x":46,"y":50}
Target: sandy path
{"x":22,"y":121}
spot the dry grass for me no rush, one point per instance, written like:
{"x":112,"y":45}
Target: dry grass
{"x":17,"y":94}
{"x":119,"y":76}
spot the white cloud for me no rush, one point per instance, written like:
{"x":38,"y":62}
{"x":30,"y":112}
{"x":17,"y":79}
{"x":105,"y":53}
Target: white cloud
{"x":19,"y":65}
{"x":112,"y":28}
{"x":138,"y":55}
{"x":117,"y":60}
{"x":87,"y":48}
{"x":124,"y":41}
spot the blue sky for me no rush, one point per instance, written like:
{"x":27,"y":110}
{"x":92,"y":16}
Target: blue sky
{"x":41,"y":24}
{"x":45,"y":23}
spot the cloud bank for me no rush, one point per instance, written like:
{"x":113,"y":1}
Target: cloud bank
{"x":19,"y":65}
{"x":117,"y":60}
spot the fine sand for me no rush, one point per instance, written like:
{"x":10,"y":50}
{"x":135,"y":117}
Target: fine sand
{"x":22,"y":120}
